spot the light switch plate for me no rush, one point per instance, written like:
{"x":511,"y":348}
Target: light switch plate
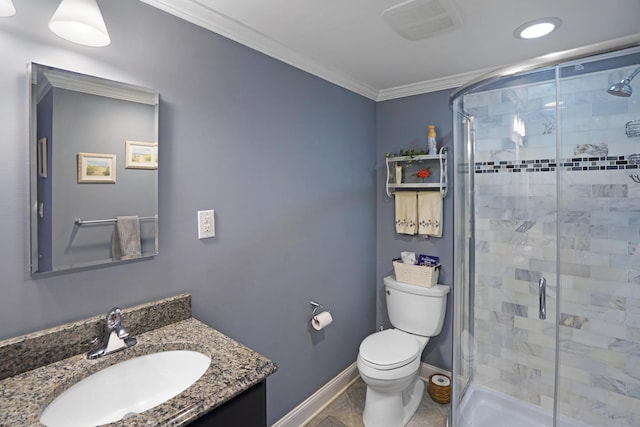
{"x":206,"y":224}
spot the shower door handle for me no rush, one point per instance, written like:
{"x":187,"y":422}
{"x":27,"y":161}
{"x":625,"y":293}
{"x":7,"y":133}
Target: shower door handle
{"x":542,"y":295}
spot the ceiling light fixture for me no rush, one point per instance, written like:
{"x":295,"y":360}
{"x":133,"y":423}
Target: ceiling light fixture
{"x":80,"y":21}
{"x":7,"y":8}
{"x":537,"y":28}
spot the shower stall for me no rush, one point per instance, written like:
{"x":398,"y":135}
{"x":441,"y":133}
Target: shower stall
{"x":547,"y":242}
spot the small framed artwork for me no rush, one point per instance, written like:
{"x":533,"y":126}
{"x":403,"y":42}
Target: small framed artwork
{"x":141,"y":155}
{"x":96,"y":168}
{"x":42,"y":158}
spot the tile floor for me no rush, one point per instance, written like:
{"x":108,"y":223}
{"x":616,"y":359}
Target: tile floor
{"x":346,"y":410}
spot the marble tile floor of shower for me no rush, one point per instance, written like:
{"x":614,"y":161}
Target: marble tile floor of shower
{"x":346,"y":410}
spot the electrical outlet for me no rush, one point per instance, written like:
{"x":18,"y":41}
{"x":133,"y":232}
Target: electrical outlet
{"x":206,"y":224}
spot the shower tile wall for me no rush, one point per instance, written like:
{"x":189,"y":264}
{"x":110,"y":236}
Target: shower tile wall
{"x":518,"y":210}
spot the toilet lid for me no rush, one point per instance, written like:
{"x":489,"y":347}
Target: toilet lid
{"x":389,"y":349}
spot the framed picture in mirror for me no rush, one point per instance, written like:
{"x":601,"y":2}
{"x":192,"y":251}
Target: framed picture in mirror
{"x":96,"y":168}
{"x":141,"y":155}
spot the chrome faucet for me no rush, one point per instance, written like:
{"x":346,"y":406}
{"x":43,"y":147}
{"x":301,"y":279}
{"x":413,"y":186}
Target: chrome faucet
{"x":116,"y":336}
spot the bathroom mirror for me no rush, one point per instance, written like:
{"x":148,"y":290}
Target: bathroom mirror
{"x":93,"y":160}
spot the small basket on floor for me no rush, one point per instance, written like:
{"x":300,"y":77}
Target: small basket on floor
{"x":440,"y":388}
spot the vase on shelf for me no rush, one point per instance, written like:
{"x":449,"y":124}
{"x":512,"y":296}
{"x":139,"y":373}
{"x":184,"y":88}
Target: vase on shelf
{"x":431,"y":140}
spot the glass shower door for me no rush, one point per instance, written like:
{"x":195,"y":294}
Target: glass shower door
{"x":506,"y":349}
{"x":599,"y":244}
{"x":547,"y":197}
{"x":463,"y":220}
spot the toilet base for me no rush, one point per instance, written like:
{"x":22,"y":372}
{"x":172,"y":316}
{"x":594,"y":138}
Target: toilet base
{"x":392,"y":409}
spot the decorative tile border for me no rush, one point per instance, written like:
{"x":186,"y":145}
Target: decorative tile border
{"x":550,"y":165}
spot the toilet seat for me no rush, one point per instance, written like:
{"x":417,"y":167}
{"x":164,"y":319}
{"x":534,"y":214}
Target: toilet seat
{"x":389,"y":349}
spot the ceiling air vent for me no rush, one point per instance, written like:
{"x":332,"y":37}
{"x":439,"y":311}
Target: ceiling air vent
{"x":421,"y":19}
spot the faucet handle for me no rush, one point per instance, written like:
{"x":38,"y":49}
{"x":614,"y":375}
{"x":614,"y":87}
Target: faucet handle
{"x":116,"y":336}
{"x":114,"y":318}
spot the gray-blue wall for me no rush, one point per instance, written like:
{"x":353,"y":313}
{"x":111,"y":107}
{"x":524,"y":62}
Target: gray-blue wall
{"x":292,"y":164}
{"x":286,"y":160}
{"x":402,"y":124}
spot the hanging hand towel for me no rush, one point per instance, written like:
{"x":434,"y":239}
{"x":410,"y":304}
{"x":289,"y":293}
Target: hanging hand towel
{"x":430,"y":213}
{"x":125,"y":242}
{"x":406,"y":212}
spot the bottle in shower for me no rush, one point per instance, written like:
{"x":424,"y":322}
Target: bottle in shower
{"x":431,"y":140}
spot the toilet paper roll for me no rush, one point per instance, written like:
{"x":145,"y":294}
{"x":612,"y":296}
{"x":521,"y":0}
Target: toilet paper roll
{"x":441,"y":380}
{"x":321,"y":320}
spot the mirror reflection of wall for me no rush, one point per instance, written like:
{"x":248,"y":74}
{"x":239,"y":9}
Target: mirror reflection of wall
{"x":82,"y":130}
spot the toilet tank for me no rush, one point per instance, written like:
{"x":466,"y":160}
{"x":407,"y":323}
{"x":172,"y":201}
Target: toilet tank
{"x":416,"y":309}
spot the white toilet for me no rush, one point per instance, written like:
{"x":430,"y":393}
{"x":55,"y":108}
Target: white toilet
{"x":389,"y":360}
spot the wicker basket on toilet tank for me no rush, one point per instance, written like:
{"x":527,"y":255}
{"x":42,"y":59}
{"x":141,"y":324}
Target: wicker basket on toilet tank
{"x":421,"y":275}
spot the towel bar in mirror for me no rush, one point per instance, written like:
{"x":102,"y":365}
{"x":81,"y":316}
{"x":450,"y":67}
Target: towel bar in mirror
{"x":80,"y":221}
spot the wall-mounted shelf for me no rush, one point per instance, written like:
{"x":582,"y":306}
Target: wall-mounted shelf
{"x":441,"y":185}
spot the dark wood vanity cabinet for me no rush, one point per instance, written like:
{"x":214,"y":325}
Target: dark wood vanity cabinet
{"x":248,"y":409}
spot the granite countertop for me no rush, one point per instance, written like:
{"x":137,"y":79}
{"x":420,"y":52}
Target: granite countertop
{"x":234,"y":368}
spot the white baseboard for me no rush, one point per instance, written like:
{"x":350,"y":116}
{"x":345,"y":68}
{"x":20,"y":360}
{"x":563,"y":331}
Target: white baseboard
{"x":427,"y":370}
{"x":305,"y":411}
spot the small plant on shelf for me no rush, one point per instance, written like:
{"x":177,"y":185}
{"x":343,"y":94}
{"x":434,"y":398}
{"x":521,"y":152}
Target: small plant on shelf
{"x":411,"y":153}
{"x":405,"y":153}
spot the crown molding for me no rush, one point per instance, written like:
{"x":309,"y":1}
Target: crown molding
{"x":450,"y":82}
{"x":94,"y":86}
{"x":198,"y":13}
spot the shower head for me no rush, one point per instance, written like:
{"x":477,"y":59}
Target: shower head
{"x":623,"y":87}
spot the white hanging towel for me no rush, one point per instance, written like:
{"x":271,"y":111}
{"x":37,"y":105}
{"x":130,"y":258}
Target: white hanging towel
{"x":406,"y":212}
{"x":430,"y":213}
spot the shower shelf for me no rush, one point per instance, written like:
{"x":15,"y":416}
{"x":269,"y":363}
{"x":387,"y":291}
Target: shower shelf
{"x":441,"y":185}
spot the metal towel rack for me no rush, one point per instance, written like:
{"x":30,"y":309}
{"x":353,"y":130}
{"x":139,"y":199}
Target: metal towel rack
{"x":79,"y":221}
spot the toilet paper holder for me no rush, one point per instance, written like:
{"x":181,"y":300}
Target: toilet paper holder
{"x":319,"y":319}
{"x":316,"y":306}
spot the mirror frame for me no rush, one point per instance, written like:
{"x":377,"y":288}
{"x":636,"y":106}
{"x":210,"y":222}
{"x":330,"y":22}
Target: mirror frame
{"x":92,"y":85}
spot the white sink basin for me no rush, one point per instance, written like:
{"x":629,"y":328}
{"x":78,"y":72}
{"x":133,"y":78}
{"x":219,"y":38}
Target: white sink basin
{"x":126,"y":389}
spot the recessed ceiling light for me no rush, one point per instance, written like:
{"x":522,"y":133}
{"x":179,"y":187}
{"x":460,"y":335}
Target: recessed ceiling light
{"x":537,"y":28}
